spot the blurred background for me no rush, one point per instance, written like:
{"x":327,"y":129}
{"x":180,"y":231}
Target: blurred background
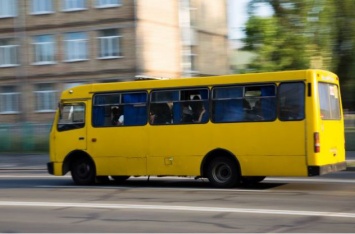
{"x":47,"y":46}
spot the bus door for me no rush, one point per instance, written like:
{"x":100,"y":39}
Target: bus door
{"x":331,"y":134}
{"x":117,"y":139}
{"x":71,"y":130}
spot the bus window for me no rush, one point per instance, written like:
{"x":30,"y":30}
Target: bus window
{"x":179,"y":106}
{"x":291,"y":101}
{"x":329,"y":101}
{"x":129,"y":108}
{"x":193,"y":106}
{"x":71,"y":116}
{"x":244,"y":103}
{"x":134,"y":108}
{"x":160,"y":106}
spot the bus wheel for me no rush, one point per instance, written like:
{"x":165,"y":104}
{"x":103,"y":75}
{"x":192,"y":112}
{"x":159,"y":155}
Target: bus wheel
{"x":119,"y":179}
{"x":252,"y":180}
{"x":83,"y":171}
{"x":223,"y":172}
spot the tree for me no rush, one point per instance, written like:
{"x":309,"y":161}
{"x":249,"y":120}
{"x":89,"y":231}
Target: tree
{"x":305,"y":34}
{"x":345,"y":50}
{"x":278,"y":40}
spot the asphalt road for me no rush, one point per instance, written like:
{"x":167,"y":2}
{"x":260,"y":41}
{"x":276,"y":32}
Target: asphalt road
{"x":33,"y":201}
{"x":38,"y":161}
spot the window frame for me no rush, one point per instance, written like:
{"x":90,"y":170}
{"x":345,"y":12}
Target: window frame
{"x":43,"y":8}
{"x":45,"y":98}
{"x":178,"y":101}
{"x":111,"y":40}
{"x":336,"y":95}
{"x":74,"y":124}
{"x":13,"y":97}
{"x":249,"y":115}
{"x":99,"y":4}
{"x":11,"y":6}
{"x":291,"y":114}
{"x":120,"y":103}
{"x":72,"y":54}
{"x":43,"y":46}
{"x":9,"y":51}
{"x":66,"y":8}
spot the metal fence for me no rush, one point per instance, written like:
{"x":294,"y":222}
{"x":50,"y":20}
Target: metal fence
{"x":30,"y":137}
{"x":349,"y":118}
{"x":24,"y":137}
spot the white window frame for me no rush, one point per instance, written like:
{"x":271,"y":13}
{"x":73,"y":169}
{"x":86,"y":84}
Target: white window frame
{"x":74,"y":5}
{"x":189,"y":62}
{"x":44,"y":50}
{"x":9,"y":55}
{"x":76,"y":49}
{"x":8,"y":8}
{"x":108,"y":3}
{"x":109,"y":42}
{"x":39,"y":7}
{"x":9,"y":102}
{"x":45,"y":100}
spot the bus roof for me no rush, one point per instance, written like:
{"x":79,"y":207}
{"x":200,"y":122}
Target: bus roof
{"x":148,"y":83}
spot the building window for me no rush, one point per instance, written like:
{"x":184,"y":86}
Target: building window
{"x":189,"y":60}
{"x":42,"y":6}
{"x":74,"y":5}
{"x":44,"y":49}
{"x":108,"y":3}
{"x":45,"y":95}
{"x":109,"y":43}
{"x":9,"y":100}
{"x":8,"y":8}
{"x":76,"y":46}
{"x":8,"y":52}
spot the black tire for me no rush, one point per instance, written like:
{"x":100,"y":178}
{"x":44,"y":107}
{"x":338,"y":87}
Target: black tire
{"x":223,"y":172}
{"x":252,"y":180}
{"x":119,"y":179}
{"x":83,"y":171}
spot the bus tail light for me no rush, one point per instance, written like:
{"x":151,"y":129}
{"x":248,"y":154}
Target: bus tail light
{"x":316,"y":142}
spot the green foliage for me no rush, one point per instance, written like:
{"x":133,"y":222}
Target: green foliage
{"x":305,"y":34}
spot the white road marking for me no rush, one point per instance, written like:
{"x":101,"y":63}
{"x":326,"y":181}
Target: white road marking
{"x":176,"y":208}
{"x":273,"y":179}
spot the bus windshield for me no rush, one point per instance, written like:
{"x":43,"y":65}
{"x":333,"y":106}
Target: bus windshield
{"x":71,"y":116}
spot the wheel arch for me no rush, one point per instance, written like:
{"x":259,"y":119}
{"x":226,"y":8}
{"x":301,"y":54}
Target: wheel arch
{"x":218,"y":152}
{"x":75,"y":154}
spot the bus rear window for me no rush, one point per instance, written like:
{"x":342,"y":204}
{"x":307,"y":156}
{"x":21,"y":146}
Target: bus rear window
{"x":329,"y":101}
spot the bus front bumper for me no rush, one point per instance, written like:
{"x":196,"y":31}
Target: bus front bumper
{"x":54,"y":168}
{"x":322,"y":170}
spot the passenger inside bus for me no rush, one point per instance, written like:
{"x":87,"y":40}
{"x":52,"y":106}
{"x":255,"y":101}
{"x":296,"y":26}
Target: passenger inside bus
{"x":198,"y":110}
{"x":117,"y":116}
{"x":160,"y":113}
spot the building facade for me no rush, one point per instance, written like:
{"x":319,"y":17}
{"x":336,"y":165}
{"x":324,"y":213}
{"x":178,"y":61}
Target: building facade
{"x":47,"y":46}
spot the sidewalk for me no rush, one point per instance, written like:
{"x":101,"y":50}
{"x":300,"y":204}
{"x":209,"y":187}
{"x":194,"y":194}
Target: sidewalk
{"x":24,"y":161}
{"x":39,"y":161}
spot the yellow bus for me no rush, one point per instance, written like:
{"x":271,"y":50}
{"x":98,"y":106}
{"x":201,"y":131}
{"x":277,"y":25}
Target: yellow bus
{"x":231,"y":129}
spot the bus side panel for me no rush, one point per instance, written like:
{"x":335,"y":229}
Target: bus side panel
{"x":119,"y":150}
{"x":265,"y":148}
{"x":178,"y":149}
